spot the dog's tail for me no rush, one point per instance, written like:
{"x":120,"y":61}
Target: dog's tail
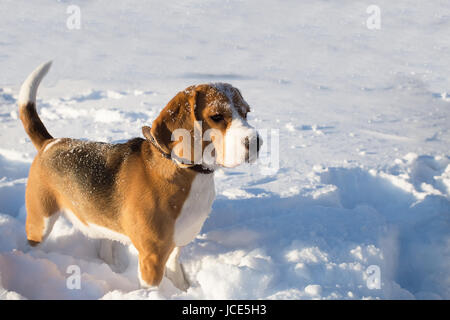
{"x":27,"y":106}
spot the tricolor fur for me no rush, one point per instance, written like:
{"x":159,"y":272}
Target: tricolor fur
{"x":131,"y":192}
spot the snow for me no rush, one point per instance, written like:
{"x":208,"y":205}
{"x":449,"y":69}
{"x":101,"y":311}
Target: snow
{"x":363,"y":122}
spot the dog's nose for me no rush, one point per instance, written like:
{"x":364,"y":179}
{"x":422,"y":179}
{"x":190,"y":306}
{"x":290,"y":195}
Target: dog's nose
{"x":258,"y":142}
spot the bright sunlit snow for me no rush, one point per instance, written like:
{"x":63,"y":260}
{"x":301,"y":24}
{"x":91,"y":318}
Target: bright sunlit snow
{"x":363,"y":181}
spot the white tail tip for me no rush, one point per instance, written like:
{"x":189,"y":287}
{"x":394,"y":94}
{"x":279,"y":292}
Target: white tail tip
{"x":29,"y":87}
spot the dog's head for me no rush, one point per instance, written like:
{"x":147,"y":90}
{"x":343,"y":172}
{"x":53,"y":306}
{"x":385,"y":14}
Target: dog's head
{"x":206,"y":124}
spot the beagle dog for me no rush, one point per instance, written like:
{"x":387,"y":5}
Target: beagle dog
{"x":149,"y":192}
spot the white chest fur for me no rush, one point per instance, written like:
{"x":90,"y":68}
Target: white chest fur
{"x":195,"y":210}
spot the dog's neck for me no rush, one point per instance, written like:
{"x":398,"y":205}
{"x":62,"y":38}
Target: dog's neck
{"x":199,"y":168}
{"x":157,"y":162}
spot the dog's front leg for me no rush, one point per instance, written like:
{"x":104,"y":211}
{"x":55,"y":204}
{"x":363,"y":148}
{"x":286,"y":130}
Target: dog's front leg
{"x":152,"y":260}
{"x":175,"y":271}
{"x":151,"y":270}
{"x":151,"y":235}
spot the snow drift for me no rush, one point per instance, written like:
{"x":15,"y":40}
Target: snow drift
{"x":363,"y":118}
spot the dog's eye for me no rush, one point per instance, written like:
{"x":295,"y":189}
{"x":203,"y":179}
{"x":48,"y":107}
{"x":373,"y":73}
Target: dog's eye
{"x":217,"y":118}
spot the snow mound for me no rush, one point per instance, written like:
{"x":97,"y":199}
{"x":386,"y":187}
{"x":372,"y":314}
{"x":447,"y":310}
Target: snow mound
{"x":315,"y":245}
{"x":358,"y":207}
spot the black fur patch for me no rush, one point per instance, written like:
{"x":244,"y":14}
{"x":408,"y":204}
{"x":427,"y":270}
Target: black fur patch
{"x":93,"y":166}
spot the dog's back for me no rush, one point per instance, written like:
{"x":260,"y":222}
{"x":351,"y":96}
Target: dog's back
{"x":87,"y":172}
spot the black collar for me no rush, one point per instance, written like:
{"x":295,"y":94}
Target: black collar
{"x":197,"y":167}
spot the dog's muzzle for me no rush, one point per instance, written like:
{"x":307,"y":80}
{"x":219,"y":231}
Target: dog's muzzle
{"x":252,"y":145}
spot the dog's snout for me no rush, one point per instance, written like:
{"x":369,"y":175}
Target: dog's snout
{"x":259,"y":142}
{"x":254,"y":140}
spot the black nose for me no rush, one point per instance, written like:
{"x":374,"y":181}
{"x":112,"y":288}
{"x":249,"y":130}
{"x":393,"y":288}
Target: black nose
{"x":258,"y":142}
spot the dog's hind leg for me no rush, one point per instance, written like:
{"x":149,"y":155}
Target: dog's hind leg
{"x":175,"y":271}
{"x":42,"y":212}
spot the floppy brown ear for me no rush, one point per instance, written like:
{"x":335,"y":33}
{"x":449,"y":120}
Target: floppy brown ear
{"x":146,"y":131}
{"x":178,"y":113}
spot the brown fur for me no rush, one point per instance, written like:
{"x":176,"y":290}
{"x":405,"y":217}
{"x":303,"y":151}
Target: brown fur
{"x":33,"y":124}
{"x":129,"y":188}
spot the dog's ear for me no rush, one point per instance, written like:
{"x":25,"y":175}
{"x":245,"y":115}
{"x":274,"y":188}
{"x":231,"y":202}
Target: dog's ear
{"x":178,"y":114}
{"x":146,"y":131}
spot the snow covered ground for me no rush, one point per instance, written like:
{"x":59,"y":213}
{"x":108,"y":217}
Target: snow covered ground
{"x":364,"y":133}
